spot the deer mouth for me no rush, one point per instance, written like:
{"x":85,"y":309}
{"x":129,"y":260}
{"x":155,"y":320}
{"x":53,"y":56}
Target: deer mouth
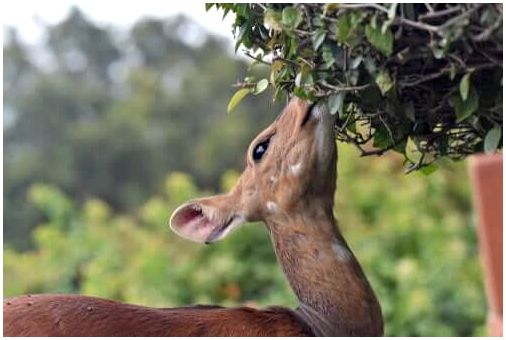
{"x":202,"y":223}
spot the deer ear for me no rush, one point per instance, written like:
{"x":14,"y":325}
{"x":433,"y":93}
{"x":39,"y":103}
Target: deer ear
{"x":202,"y":224}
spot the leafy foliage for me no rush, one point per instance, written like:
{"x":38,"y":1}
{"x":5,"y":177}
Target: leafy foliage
{"x":417,"y":247}
{"x":426,"y":73}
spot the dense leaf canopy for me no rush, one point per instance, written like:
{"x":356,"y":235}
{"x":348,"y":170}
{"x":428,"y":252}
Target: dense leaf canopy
{"x":424,"y":80}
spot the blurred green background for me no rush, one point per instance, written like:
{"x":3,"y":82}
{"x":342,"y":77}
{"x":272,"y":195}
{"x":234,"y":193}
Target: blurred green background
{"x":121,"y":126}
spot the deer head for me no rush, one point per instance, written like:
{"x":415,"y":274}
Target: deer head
{"x":289,"y":165}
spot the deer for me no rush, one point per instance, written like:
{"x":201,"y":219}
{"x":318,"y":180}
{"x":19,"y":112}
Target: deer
{"x":288,"y":183}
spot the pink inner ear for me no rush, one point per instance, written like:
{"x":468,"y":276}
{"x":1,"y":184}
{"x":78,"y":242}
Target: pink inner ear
{"x":188,"y":215}
{"x":191,"y":223}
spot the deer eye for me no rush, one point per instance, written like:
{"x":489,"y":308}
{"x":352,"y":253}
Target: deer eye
{"x":260,"y":149}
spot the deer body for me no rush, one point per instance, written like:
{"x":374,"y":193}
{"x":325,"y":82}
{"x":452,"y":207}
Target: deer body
{"x":288,"y":183}
{"x":73,"y":315}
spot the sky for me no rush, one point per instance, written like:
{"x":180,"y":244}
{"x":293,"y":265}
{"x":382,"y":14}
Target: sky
{"x":28,"y":16}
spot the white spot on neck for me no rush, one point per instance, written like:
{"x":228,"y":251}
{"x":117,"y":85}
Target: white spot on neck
{"x":341,"y":252}
{"x":272,"y":207}
{"x":295,"y":168}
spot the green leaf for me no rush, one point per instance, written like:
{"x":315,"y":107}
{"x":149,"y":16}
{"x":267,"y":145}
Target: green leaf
{"x":328,"y":56}
{"x":309,"y":80}
{"x":335,"y":103}
{"x":385,"y":26}
{"x":453,"y":71}
{"x":343,"y":28}
{"x":261,"y":86}
{"x":381,"y":139}
{"x":391,"y":17}
{"x":299,"y":92}
{"x":298,"y":79}
{"x":438,"y":52}
{"x":237,"y":98}
{"x":392,"y":10}
{"x":303,"y":77}
{"x":318,"y":38}
{"x":465,"y":108}
{"x":370,"y":65}
{"x":411,"y":152}
{"x":492,"y":140}
{"x":272,"y":19}
{"x":291,"y":17}
{"x":464,"y":86}
{"x":241,"y":36}
{"x":384,"y":82}
{"x":353,"y":77}
{"x":276,"y":69}
{"x":383,"y":42}
{"x":409,"y":111}
{"x":317,"y":21}
{"x":225,"y":13}
{"x":374,"y":21}
{"x":356,"y":62}
{"x":428,"y":169}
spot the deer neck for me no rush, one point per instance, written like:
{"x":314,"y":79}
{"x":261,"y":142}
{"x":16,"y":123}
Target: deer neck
{"x":334,"y":295}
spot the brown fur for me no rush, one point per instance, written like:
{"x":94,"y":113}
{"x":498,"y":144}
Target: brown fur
{"x":73,"y":315}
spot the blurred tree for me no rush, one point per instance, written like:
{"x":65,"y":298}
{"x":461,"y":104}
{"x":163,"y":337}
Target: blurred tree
{"x":158,"y":42}
{"x":81,"y":47}
{"x":112,"y":115}
{"x":16,"y":63}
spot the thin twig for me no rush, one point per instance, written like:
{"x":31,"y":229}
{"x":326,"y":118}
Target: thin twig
{"x":417,"y":165}
{"x":379,"y":152}
{"x":287,"y":61}
{"x":457,"y":59}
{"x":308,"y":63}
{"x":415,"y":24}
{"x":306,"y":12}
{"x":436,"y":29}
{"x":344,"y":88}
{"x":302,"y":32}
{"x":429,"y":7}
{"x":459,"y":17}
{"x":442,"y":72}
{"x":260,"y":60}
{"x":488,"y":32}
{"x":423,"y":79}
{"x":387,"y":127}
{"x":490,"y":58}
{"x":437,"y":14}
{"x":244,"y":85}
{"x":371,"y":5}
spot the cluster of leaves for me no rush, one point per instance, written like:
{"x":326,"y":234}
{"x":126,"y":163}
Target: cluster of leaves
{"x":424,"y":80}
{"x":425,"y":268}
